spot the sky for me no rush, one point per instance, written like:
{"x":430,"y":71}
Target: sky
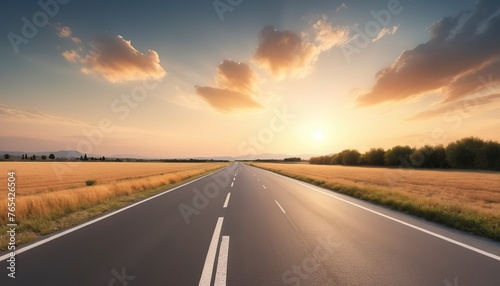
{"x":192,"y":78}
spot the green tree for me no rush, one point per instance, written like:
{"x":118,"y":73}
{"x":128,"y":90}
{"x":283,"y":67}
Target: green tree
{"x":398,"y":155}
{"x":438,"y":158}
{"x":464,"y":153}
{"x":429,"y":157}
{"x":44,"y":157}
{"x":373,"y":157}
{"x":6,"y":156}
{"x":350,"y":157}
{"x":488,"y":156}
{"x":52,"y":156}
{"x":337,"y":159}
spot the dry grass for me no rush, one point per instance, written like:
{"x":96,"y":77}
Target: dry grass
{"x":467,"y":200}
{"x":40,"y":177}
{"x":42,"y":197}
{"x":40,"y":193}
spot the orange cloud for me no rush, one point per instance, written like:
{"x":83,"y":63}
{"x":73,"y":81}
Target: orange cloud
{"x":285,"y":54}
{"x":65,"y":32}
{"x":329,"y":36}
{"x":18,"y":115}
{"x":484,"y":78}
{"x":458,"y":107}
{"x":386,"y":31}
{"x":235,"y":76}
{"x":71,"y":56}
{"x":235,"y":88}
{"x":116,"y":60}
{"x":225,"y":100}
{"x":462,"y":49}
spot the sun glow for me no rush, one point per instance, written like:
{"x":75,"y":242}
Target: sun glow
{"x":318,"y":136}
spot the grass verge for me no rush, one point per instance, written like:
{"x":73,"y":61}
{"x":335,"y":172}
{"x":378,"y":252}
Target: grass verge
{"x":33,"y":227}
{"x":456,"y":216}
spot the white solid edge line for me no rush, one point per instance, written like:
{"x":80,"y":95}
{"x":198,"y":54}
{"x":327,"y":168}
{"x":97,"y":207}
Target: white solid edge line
{"x":324,"y":192}
{"x":227,"y":200}
{"x":208,"y":267}
{"x":280,"y":206}
{"x":31,"y":246}
{"x":221,"y":272}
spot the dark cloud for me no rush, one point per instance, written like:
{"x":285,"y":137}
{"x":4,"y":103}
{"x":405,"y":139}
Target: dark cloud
{"x":461,"y":50}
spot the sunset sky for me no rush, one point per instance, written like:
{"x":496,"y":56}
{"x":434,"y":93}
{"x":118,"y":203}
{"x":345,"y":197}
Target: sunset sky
{"x":232,"y":77}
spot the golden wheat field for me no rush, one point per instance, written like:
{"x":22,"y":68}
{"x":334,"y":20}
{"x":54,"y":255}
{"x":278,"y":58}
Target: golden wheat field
{"x":48,"y":189}
{"x":480,"y":190}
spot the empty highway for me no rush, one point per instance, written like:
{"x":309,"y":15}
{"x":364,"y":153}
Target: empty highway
{"x":247,"y":226}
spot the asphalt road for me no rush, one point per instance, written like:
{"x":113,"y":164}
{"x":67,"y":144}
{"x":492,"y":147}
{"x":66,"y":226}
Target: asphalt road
{"x":246,"y":226}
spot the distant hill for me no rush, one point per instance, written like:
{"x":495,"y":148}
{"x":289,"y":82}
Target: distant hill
{"x":265,"y":156}
{"x":69,"y":154}
{"x":72,"y":154}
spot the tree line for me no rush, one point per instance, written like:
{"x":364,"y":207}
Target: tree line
{"x":32,"y":157}
{"x":466,"y":153}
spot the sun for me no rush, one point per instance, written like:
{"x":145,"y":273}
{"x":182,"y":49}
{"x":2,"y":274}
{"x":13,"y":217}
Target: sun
{"x":318,"y":136}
